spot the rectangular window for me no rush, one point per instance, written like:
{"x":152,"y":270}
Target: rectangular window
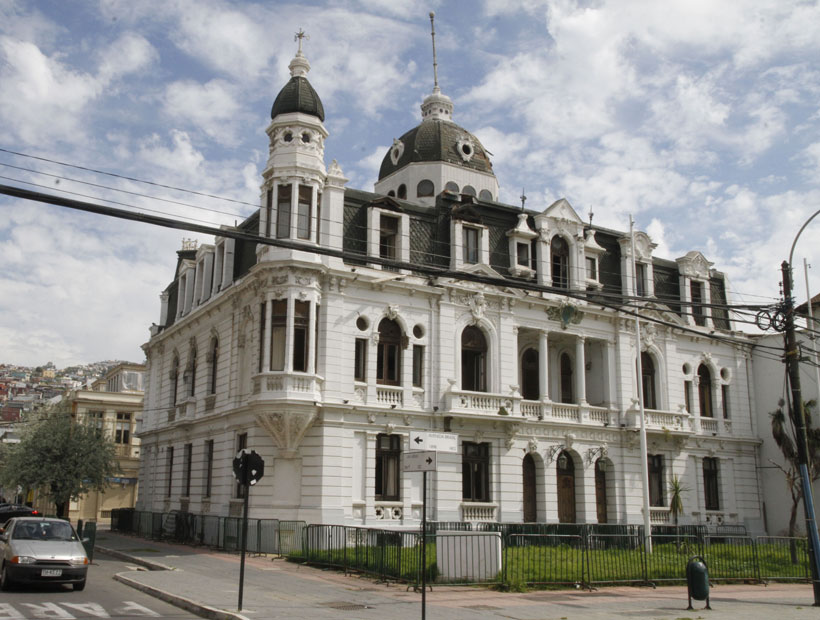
{"x":304,"y":212}
{"x":261,"y":335}
{"x":283,"y":212}
{"x":687,"y":395}
{"x":640,"y":280}
{"x":268,"y":212}
{"x":710,"y":483}
{"x":318,"y":217}
{"x":301,"y":335}
{"x":388,"y":458}
{"x":241,"y":444}
{"x":388,"y":237}
{"x":724,"y":394}
{"x":523,"y":251}
{"x":655,"y":463}
{"x":592,"y":268}
{"x":186,"y":465}
{"x":470,"y":240}
{"x":360,"y":364}
{"x":475,"y":472}
{"x":418,"y":365}
{"x":122,"y":431}
{"x":209,"y":467}
{"x":278,"y":329}
{"x":169,"y":466}
{"x":94,"y":419}
{"x":696,"y":292}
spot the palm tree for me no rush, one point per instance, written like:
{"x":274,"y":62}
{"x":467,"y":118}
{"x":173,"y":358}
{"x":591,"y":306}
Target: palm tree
{"x":783,"y":433}
{"x":676,"y":491}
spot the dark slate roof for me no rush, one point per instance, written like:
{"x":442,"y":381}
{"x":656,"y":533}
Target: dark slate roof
{"x":436,"y":140}
{"x":298,"y":96}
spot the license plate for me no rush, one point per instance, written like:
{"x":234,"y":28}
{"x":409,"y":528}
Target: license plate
{"x":51,"y":572}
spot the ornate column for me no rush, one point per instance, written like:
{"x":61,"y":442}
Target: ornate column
{"x":312,"y":335}
{"x":580,"y":371}
{"x":268,"y":307}
{"x":289,"y":336}
{"x":543,"y":365}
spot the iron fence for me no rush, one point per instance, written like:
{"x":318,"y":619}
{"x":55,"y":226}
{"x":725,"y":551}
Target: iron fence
{"x":483,"y":553}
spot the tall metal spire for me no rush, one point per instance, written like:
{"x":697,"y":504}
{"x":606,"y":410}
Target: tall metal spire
{"x":435,"y":64}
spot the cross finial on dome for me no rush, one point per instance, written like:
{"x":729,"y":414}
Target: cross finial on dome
{"x":436,"y":105}
{"x":435,"y":64}
{"x":298,"y":37}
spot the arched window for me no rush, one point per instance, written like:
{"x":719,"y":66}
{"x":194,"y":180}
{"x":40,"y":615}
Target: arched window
{"x":174,"y":380}
{"x":425,"y":188}
{"x":705,"y":391}
{"x":529,"y":375}
{"x":192,"y":372}
{"x":402,"y":193}
{"x":214,"y":355}
{"x":391,"y":193}
{"x":485,"y":194}
{"x":559,"y":250}
{"x":451,"y":187}
{"x":648,"y":381}
{"x":566,"y":378}
{"x":468,"y":190}
{"x":565,"y":469}
{"x":388,"y":354}
{"x":473,"y":360}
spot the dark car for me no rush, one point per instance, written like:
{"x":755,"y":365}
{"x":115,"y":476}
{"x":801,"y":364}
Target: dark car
{"x":37,"y":550}
{"x":9,"y":511}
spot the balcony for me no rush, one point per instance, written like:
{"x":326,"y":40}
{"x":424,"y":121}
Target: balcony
{"x":474,"y":511}
{"x":565,"y":412}
{"x":286,"y":386}
{"x":462,"y":401}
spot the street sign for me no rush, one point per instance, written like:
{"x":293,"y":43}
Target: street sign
{"x":440,"y":442}
{"x":248,"y":467}
{"x":419,"y":461}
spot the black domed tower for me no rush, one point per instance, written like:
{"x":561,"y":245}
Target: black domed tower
{"x":436,"y":155}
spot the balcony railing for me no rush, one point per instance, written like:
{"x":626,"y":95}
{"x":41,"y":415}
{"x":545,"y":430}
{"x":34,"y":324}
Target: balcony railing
{"x":284,"y":385}
{"x":462,"y":401}
{"x":478,"y":512}
{"x":564,"y":412}
{"x":391,"y":395}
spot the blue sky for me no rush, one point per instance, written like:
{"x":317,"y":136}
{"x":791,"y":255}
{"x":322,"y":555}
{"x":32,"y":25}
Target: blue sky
{"x":698,"y":118}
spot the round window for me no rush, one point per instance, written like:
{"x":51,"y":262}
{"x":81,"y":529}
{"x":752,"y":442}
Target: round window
{"x":418,"y":331}
{"x":306,"y":137}
{"x":466,"y":149}
{"x":288,"y":137}
{"x":362,"y":323}
{"x":687,"y":369}
{"x":725,"y":374}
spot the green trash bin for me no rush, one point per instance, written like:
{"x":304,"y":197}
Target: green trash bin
{"x":697,"y":580}
{"x":88,"y":537}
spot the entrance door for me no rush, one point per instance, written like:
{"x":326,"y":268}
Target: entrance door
{"x":566,"y":489}
{"x":530,"y":507}
{"x":600,"y":491}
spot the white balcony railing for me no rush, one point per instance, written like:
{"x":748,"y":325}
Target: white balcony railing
{"x":478,"y":512}
{"x":390,"y":395}
{"x":280,"y":385}
{"x":461,"y":401}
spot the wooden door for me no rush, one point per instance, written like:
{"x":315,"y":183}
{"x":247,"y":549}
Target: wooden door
{"x":530,"y":506}
{"x":566,"y":489}
{"x":600,"y":492}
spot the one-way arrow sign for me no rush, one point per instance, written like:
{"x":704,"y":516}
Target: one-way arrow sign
{"x":419,"y":461}
{"x":428,"y":440}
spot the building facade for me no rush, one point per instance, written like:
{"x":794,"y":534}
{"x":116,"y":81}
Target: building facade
{"x":113,"y":405}
{"x":427,"y":305}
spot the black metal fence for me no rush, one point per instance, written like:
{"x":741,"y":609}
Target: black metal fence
{"x":493,"y":553}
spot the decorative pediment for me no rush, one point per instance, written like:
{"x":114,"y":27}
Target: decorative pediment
{"x":591,"y":245}
{"x":562,"y":210}
{"x":184,"y":266}
{"x":694,"y":265}
{"x":643,"y":246}
{"x":522,"y":230}
{"x":481,"y":269}
{"x":387,"y":203}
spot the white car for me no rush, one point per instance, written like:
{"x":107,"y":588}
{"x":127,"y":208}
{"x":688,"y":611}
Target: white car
{"x":38,"y":550}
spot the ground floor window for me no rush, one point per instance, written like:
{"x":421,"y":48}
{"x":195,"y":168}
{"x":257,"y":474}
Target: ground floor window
{"x":710,"y":483}
{"x":475,"y":475}
{"x":655,"y":463}
{"x":388,"y":458}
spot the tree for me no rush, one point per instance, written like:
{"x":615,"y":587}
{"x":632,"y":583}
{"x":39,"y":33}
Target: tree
{"x":61,"y":457}
{"x":676,"y":491}
{"x":783,"y":433}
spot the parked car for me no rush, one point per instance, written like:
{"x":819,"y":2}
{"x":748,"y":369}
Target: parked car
{"x":9,"y":511}
{"x":39,"y":550}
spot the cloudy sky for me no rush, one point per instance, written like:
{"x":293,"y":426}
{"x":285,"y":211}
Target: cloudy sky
{"x":699,"y":118}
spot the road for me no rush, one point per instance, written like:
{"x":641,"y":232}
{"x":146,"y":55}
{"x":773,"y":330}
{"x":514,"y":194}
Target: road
{"x":102,"y":598}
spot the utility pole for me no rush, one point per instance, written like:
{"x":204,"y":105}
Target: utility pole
{"x":798,"y":416}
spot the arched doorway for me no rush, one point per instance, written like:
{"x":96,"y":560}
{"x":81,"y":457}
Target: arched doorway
{"x":600,"y":490}
{"x":530,"y":506}
{"x":566,"y":488}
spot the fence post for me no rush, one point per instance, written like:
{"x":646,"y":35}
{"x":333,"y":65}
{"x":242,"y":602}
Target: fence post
{"x":757,"y":559}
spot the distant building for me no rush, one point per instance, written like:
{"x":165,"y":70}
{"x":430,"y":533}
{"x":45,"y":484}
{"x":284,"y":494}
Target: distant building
{"x":115,"y":413}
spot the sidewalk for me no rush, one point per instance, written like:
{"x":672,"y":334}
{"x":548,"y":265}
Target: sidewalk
{"x":207,"y":583}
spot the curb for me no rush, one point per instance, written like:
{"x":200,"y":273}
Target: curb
{"x":120,"y":555}
{"x":178,"y":601}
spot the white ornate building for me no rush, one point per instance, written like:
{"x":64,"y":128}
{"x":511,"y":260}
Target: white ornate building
{"x":432,"y":306}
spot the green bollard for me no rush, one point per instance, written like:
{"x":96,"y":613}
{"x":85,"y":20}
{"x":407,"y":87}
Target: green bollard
{"x":88,"y":538}
{"x":697,"y":580}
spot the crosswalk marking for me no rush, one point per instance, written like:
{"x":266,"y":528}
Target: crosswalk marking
{"x":60,"y":611}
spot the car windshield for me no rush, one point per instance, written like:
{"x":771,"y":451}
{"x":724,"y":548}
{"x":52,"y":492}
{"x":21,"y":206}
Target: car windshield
{"x":43,"y":530}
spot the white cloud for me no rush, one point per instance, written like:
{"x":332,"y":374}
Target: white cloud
{"x":211,"y":107}
{"x":130,"y":53}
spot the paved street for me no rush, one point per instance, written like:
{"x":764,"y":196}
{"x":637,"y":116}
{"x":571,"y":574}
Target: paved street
{"x":103,"y":597}
{"x":274,"y":589}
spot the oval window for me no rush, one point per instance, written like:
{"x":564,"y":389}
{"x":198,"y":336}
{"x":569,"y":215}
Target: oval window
{"x":425,"y":188}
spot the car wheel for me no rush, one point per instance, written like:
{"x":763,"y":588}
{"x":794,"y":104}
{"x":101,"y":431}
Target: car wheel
{"x":79,"y":586}
{"x":5,"y":580}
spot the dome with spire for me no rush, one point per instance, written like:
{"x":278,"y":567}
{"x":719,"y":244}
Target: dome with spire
{"x":298,"y":95}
